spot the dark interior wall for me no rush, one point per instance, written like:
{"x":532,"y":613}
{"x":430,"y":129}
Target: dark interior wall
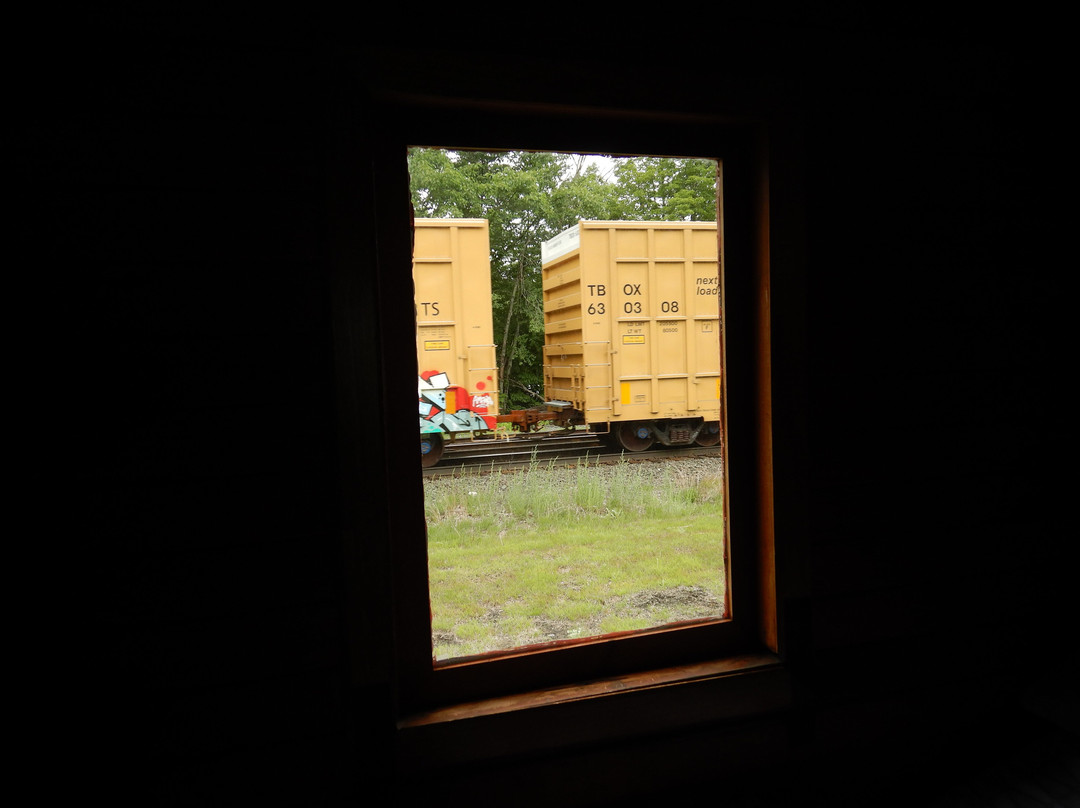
{"x":933,"y":357}
{"x":185,"y":182}
{"x":176,"y":181}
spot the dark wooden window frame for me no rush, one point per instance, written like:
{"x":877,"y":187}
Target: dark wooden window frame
{"x":732,"y":665}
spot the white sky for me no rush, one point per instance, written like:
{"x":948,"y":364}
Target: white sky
{"x":605,"y":165}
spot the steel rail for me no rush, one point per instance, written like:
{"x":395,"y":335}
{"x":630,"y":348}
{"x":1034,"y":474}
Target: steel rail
{"x":519,"y":457}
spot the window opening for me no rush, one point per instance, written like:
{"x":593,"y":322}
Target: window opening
{"x":568,"y":310}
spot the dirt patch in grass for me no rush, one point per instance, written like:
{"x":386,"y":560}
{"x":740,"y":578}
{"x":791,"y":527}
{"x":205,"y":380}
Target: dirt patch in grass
{"x":647,"y":609}
{"x":690,"y":602}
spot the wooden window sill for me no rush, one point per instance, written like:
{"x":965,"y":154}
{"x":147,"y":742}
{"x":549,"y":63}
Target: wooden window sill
{"x":640,"y":704}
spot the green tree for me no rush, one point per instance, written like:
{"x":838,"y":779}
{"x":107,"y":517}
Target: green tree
{"x":666,"y":189}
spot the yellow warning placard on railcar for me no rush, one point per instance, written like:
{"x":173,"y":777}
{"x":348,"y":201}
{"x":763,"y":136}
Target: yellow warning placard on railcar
{"x":633,"y":339}
{"x":436,"y":345}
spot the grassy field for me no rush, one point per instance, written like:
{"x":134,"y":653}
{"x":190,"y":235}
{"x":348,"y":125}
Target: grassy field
{"x":555,"y":553}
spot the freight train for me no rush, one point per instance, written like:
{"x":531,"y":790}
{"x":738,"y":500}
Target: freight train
{"x":632,"y":334}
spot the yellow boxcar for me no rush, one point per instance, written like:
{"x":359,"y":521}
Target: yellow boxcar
{"x":632,"y":329}
{"x":452,"y":284}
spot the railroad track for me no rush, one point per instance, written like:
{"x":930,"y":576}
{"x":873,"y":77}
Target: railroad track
{"x":556,"y":448}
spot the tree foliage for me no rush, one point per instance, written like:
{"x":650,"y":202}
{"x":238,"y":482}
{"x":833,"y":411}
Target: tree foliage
{"x":530,"y":197}
{"x":666,"y":189}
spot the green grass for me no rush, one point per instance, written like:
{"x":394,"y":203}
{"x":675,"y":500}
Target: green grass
{"x":554,"y":553}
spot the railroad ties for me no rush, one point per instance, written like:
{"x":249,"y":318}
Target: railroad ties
{"x":557,"y":447}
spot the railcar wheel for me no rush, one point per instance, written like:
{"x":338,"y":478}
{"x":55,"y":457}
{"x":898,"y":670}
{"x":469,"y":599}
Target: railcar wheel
{"x":634,"y":437}
{"x":431,"y":448}
{"x":709,"y":435}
